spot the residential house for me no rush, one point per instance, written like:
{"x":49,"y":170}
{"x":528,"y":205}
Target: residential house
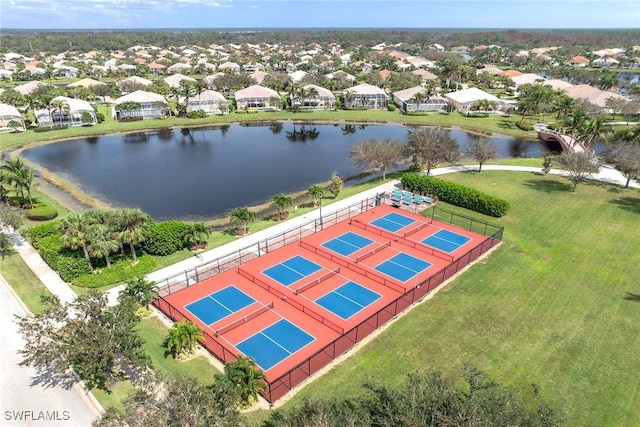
{"x":316,"y":98}
{"x":152,"y":106}
{"x":70,"y":115}
{"x":577,"y":61}
{"x":365,"y":96}
{"x":258,"y":97}
{"x":176,"y":79}
{"x":465,"y":99}
{"x":209,"y":101}
{"x":415,"y":100}
{"x":8,"y":114}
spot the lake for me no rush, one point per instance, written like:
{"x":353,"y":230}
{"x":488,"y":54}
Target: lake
{"x":202,"y":173}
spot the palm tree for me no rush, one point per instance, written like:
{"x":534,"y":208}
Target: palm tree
{"x":575,"y":123}
{"x":245,"y":374}
{"x":102,"y":242}
{"x":75,"y":233}
{"x":132,"y":226}
{"x":594,"y":129}
{"x":196,"y":234}
{"x":20,"y":176}
{"x":60,"y":106}
{"x":140,"y":291}
{"x":242,"y":216}
{"x":182,"y":339}
{"x":315,"y":193}
{"x":281,"y":202}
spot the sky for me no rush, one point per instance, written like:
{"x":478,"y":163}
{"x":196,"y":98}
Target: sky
{"x":224,"y":14}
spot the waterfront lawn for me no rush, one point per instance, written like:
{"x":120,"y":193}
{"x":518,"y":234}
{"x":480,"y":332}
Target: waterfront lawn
{"x":498,"y":124}
{"x":550,"y":311}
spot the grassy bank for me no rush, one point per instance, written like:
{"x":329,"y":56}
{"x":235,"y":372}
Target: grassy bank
{"x":498,"y":124}
{"x":551,"y":311}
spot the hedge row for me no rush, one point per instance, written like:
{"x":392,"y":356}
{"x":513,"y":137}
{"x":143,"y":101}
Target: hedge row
{"x":165,"y":237}
{"x":456,"y":194}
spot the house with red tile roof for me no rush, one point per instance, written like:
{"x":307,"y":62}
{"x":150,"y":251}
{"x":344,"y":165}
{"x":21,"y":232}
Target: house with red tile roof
{"x":578,"y":61}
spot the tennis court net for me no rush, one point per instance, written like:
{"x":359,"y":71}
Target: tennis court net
{"x":319,"y":280}
{"x":417,"y":228}
{"x":241,"y":321}
{"x":373,"y":251}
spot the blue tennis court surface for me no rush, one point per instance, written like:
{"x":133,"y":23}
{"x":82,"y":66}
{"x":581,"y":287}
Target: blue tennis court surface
{"x":403,"y":267}
{"x":292,"y":270}
{"x":446,"y":241}
{"x":275,"y":343}
{"x":348,"y":243}
{"x":348,"y":299}
{"x":393,"y":222}
{"x":219,"y":304}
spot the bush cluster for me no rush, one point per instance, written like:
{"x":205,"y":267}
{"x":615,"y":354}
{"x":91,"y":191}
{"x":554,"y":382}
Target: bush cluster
{"x":456,"y":194}
{"x":524,"y":125}
{"x":196,"y":114}
{"x":165,"y":237}
{"x":40,"y":231}
{"x":121,"y":270}
{"x":42,"y":213}
{"x":67,"y":263}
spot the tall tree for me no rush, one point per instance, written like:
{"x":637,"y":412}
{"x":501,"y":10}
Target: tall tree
{"x":579,"y":165}
{"x":132,"y":226}
{"x":482,"y":150}
{"x":102,"y":242}
{"x":377,"y":154}
{"x":17,"y":174}
{"x":76,"y":228}
{"x":335,"y":184}
{"x":432,"y":146}
{"x":98,"y":342}
{"x":155,"y":403}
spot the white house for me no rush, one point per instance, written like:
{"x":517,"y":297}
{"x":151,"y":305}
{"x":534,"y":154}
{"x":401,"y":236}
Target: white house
{"x":152,"y":106}
{"x":70,"y":113}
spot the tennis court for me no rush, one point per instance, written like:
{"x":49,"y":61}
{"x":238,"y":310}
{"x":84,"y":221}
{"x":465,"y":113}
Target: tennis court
{"x":293,"y":269}
{"x":403,"y":267}
{"x":393,"y":221}
{"x":446,"y":241}
{"x":348,"y":299}
{"x":219,"y":305}
{"x":275,"y":343}
{"x":299,"y":306}
{"x":347,"y":243}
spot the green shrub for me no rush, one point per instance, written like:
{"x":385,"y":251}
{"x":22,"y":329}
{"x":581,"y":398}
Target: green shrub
{"x":196,"y":114}
{"x":456,"y":194}
{"x":100,"y":117}
{"x":165,"y":237}
{"x":51,"y":250}
{"x":252,"y":111}
{"x":130,"y":119}
{"x":120,"y":271}
{"x":42,"y":213}
{"x":241,"y":111}
{"x":73,"y":266}
{"x":391,"y":107}
{"x":524,"y":125}
{"x":43,"y":230}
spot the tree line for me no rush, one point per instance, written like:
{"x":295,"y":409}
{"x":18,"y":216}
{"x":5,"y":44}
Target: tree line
{"x":30,"y":42}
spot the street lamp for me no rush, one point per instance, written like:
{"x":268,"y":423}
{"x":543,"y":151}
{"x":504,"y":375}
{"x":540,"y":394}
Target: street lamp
{"x":320,"y":212}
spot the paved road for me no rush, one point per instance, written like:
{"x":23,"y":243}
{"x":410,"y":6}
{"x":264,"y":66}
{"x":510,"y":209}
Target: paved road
{"x":22,"y":402}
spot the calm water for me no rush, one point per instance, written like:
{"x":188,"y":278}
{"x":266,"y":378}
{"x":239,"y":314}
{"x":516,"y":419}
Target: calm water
{"x":206,"y":172}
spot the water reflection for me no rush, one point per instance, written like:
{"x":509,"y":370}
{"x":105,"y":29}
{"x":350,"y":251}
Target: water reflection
{"x":206,"y":172}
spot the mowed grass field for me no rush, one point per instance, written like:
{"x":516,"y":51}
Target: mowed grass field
{"x":555,"y":310}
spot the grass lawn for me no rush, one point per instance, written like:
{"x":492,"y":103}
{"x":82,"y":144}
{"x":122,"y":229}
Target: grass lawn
{"x":25,"y":284}
{"x":499,"y":124}
{"x":555,"y":308}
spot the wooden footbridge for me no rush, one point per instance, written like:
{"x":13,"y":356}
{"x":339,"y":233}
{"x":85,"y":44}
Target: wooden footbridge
{"x":567,"y":142}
